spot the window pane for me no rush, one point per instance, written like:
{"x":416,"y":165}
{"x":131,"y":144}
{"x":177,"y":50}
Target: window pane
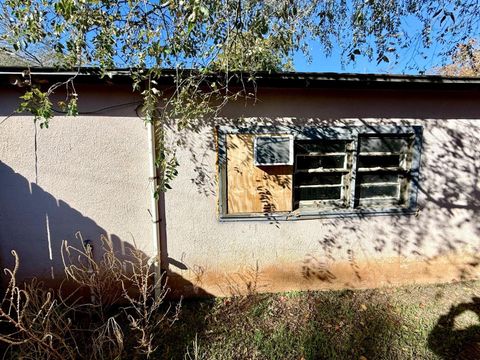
{"x":383,"y":144}
{"x":314,"y":162}
{"x":378,"y":191}
{"x":320,"y":193}
{"x":318,"y":179}
{"x":272,"y":149}
{"x":369,"y":161}
{"x":324,"y":146}
{"x":320,"y":155}
{"x":377,"y":178}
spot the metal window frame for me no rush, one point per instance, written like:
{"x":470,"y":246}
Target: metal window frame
{"x":290,"y":149}
{"x":401,"y":170}
{"x":345,"y":172}
{"x":348,"y":133}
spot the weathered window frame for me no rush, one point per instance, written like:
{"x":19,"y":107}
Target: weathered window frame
{"x":350,"y":134}
{"x":290,"y":148}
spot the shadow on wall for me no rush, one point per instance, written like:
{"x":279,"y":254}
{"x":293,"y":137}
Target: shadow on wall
{"x":449,"y":187}
{"x":34,"y":224}
{"x":449,"y":203}
{"x":444,"y":227}
{"x":313,"y":107}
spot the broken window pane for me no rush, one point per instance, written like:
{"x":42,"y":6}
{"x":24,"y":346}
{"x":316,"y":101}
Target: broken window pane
{"x":374,"y":191}
{"x":325,"y":172}
{"x":318,"y":179}
{"x":319,"y":193}
{"x":383,"y":144}
{"x":314,"y":180}
{"x":376,"y":154}
{"x":382,"y":161}
{"x":321,"y":147}
{"x":317,"y":162}
{"x":377,"y":178}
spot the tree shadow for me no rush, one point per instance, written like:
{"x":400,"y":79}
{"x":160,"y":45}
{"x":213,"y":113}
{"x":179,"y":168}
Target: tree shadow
{"x":449,"y":342}
{"x":34,"y":223}
{"x":442,"y":229}
{"x":349,"y":326}
{"x":308,"y":325}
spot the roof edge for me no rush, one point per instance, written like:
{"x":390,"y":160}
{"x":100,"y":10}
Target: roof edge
{"x":266,"y":79}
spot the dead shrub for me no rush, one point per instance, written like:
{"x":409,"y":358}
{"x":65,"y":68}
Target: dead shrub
{"x":114,"y":295}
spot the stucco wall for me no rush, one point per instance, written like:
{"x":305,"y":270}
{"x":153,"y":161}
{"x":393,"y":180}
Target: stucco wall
{"x":90,"y":174}
{"x":439,"y":243}
{"x":87,"y":173}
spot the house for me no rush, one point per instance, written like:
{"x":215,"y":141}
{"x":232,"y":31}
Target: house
{"x":321,"y":181}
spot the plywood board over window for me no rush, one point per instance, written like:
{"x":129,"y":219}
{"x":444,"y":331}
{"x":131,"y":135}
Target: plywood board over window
{"x":255,"y":189}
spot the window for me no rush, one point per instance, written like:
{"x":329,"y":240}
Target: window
{"x":273,"y":150}
{"x":322,"y":173}
{"x":383,"y":174}
{"x":308,"y":172}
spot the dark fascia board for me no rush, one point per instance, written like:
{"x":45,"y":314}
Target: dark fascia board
{"x":51,"y":75}
{"x":265,"y":79}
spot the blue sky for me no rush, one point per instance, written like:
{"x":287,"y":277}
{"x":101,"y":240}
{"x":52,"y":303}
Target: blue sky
{"x":408,"y":63}
{"x":415,"y":59}
{"x":411,"y":61}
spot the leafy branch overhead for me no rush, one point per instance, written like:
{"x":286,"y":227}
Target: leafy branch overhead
{"x":465,"y":61}
{"x":244,"y":35}
{"x":223,"y":36}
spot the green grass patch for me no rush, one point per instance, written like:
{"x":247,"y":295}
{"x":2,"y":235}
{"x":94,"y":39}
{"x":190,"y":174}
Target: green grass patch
{"x":414,"y":322}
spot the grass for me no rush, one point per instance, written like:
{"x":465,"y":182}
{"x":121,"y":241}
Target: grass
{"x":414,"y":322}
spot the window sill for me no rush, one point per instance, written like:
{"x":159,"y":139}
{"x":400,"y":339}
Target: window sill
{"x":292,"y":216}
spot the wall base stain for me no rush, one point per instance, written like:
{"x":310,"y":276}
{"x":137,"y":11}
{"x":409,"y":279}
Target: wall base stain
{"x":298,"y":276}
{"x":335,"y":276}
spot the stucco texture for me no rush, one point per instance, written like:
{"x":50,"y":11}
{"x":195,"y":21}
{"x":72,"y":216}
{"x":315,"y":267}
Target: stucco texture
{"x":90,"y":174}
{"x":86,"y":174}
{"x":439,"y":243}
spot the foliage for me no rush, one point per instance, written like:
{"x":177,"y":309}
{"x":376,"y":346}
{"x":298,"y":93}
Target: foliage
{"x":205,"y":36}
{"x":38,"y":103}
{"x":465,"y":61}
{"x":253,"y":53}
{"x":9,"y":59}
{"x":38,"y":54}
{"x":193,"y":33}
{"x":88,"y":323}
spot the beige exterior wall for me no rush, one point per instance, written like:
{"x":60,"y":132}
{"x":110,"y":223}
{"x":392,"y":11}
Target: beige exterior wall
{"x":439,"y":243}
{"x":87,"y":173}
{"x":90,"y":174}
